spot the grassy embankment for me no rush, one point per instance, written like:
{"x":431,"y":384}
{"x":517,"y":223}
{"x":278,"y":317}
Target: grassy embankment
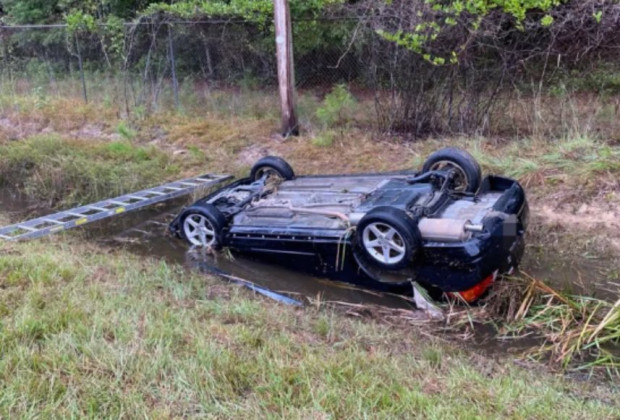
{"x":88,"y":330}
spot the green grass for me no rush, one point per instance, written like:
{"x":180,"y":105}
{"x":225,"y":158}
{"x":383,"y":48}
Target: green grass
{"x":579,"y":157}
{"x":88,"y":332}
{"x":66,"y":172}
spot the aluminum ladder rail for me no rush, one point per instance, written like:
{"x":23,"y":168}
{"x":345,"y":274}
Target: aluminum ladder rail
{"x":79,"y":216}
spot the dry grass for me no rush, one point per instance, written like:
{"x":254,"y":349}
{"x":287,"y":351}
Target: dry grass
{"x":231,"y":132}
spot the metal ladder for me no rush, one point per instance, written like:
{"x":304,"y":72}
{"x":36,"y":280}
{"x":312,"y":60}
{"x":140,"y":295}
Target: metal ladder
{"x":79,"y":216}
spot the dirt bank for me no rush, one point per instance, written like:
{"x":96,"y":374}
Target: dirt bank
{"x":597,"y":218}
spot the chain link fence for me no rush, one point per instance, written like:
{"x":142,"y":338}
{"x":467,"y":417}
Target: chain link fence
{"x":152,"y":66}
{"x":158,"y":64}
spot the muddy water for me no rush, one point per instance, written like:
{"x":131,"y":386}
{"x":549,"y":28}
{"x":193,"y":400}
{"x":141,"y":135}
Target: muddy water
{"x":595,"y":277}
{"x":145,"y":233}
{"x":14,"y":206}
{"x":147,"y":236}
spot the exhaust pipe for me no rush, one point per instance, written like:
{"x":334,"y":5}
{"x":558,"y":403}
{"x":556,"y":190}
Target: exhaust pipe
{"x":447,"y":230}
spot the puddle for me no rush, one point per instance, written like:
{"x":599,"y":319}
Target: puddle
{"x":596,"y":277}
{"x":147,"y":236}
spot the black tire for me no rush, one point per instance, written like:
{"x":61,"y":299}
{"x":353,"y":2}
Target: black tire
{"x":272,"y":164}
{"x":469,"y":174}
{"x":203,"y":216}
{"x":389,"y":253}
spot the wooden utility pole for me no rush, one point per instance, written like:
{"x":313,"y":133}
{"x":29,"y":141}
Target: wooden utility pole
{"x":286,"y":73}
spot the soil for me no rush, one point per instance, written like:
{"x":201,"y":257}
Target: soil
{"x":597,"y":218}
{"x":249,"y":155}
{"x":16,"y":128}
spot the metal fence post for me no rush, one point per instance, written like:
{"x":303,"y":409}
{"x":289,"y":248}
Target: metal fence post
{"x":5,"y":47}
{"x":175,"y":82}
{"x":79,"y":54}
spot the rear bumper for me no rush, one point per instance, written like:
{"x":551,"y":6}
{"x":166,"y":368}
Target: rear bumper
{"x":461,"y":266}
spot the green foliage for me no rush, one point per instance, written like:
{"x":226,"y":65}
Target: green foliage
{"x":78,"y":21}
{"x":113,"y":36}
{"x":259,"y":11}
{"x":76,"y":11}
{"x":308,"y":34}
{"x":324,"y":139}
{"x":598,"y":16}
{"x":546,"y":21}
{"x":437,"y":16}
{"x":30,"y":11}
{"x":338,"y":107}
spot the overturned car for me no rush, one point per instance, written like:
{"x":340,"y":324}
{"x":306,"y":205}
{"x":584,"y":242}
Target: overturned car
{"x":444,"y":226}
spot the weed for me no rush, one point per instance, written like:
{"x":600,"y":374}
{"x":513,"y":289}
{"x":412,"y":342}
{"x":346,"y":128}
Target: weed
{"x":577,"y":330}
{"x":125,"y":131}
{"x":196,"y":154}
{"x":337,"y":108}
{"x":324,"y":139}
{"x":433,"y":356}
{"x":323,"y":326}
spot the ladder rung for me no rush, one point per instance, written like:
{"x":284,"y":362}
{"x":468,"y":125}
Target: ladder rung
{"x":52,"y":221}
{"x":5,"y":237}
{"x":155,"y":192}
{"x":136,"y":197}
{"x":189,"y":184}
{"x":118,"y":203}
{"x":172,"y":188}
{"x":24,"y":227}
{"x":80,"y":215}
{"x":97,"y":208}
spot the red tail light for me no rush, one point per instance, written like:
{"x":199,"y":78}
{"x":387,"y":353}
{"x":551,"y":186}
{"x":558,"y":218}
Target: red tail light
{"x":470,"y":295}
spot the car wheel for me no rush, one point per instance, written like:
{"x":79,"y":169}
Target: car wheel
{"x":468,"y":172}
{"x":202,"y":225}
{"x":272,"y":166}
{"x":388,"y":238}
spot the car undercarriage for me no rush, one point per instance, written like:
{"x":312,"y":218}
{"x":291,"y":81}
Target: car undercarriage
{"x":444,"y":226}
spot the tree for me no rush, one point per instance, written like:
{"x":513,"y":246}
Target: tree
{"x":54,"y":11}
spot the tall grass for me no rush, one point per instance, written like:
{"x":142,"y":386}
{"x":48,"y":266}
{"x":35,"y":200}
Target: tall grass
{"x":579,"y":332}
{"x":573,"y":332}
{"x":67,"y":172}
{"x":577,"y":162}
